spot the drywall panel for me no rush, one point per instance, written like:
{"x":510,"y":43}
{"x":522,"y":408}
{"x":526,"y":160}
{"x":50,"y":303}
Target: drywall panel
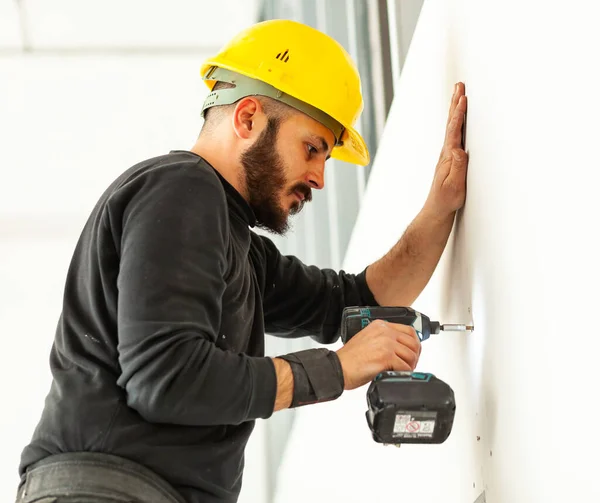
{"x":522,"y":264}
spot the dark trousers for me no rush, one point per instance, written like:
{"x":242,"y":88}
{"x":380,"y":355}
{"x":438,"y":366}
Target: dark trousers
{"x":88,"y":477}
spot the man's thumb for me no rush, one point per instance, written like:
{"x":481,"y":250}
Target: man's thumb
{"x":459,"y":156}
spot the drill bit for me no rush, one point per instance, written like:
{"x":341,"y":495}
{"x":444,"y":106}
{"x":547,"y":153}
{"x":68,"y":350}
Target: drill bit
{"x":451,"y":327}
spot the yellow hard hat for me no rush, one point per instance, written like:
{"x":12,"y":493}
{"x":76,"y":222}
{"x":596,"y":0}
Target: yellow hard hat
{"x":300,"y":66}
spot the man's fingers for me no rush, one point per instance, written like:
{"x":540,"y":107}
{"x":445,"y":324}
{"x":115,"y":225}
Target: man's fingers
{"x":458,"y":116}
{"x":407,"y":355}
{"x":406,"y":329}
{"x":459,"y":90}
{"x":410,"y":341}
{"x":453,"y":104}
{"x":454,"y":100}
{"x":400,"y":365}
{"x":461,"y":159}
{"x":454,"y":131}
{"x":407,"y":336}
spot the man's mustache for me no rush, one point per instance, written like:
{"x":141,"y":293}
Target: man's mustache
{"x":303,"y":189}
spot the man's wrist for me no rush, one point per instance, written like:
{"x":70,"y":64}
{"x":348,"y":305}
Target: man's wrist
{"x":285,"y":384}
{"x":432,"y":215}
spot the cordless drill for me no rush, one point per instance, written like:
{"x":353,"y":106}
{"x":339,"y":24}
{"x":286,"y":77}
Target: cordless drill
{"x":405,"y":407}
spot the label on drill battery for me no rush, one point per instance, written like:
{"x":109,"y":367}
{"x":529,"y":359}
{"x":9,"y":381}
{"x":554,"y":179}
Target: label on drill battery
{"x":414,"y":424}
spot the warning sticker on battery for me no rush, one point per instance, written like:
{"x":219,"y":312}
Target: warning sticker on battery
{"x":414,"y":424}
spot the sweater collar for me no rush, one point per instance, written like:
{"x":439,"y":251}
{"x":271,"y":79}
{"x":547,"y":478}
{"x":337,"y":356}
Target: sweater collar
{"x":235,"y":200}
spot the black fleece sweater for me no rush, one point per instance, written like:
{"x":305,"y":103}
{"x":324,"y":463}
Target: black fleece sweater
{"x":159,"y":351}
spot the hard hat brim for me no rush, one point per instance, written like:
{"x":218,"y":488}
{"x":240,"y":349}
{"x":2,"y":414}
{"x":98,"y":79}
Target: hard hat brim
{"x":354,"y":149}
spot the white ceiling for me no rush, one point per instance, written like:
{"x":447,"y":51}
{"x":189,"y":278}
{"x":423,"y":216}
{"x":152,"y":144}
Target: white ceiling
{"x":59,"y":25}
{"x":10,"y":36}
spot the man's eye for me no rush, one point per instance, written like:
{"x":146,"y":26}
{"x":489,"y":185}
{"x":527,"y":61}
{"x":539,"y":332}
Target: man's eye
{"x":312,"y":150}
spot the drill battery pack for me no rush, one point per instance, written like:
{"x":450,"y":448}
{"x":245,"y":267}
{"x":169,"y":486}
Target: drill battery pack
{"x":410,"y":408}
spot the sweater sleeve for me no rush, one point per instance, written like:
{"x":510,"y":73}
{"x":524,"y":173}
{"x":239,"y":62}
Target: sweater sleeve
{"x":173,"y":249}
{"x":302,"y":300}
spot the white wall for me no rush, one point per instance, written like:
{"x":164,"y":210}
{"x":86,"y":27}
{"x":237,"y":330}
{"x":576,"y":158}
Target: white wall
{"x":522,"y":264}
{"x":68,"y":126}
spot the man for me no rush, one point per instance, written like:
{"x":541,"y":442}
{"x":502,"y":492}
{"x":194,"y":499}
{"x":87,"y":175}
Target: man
{"x":158,"y":362}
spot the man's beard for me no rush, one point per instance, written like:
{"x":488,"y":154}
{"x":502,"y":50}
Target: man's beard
{"x":264,"y":172}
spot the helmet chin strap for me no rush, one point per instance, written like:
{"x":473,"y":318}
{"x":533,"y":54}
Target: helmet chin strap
{"x":246,"y":86}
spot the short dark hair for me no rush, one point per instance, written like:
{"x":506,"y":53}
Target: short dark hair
{"x":274,"y":109}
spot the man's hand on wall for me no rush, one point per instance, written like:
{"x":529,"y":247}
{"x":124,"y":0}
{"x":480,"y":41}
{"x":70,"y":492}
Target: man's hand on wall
{"x":448,"y":190}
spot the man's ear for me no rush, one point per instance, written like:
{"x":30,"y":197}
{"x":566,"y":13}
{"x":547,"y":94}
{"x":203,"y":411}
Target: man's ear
{"x":247,"y":118}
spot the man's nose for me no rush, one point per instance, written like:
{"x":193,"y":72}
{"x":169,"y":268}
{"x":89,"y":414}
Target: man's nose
{"x":316,"y":177}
